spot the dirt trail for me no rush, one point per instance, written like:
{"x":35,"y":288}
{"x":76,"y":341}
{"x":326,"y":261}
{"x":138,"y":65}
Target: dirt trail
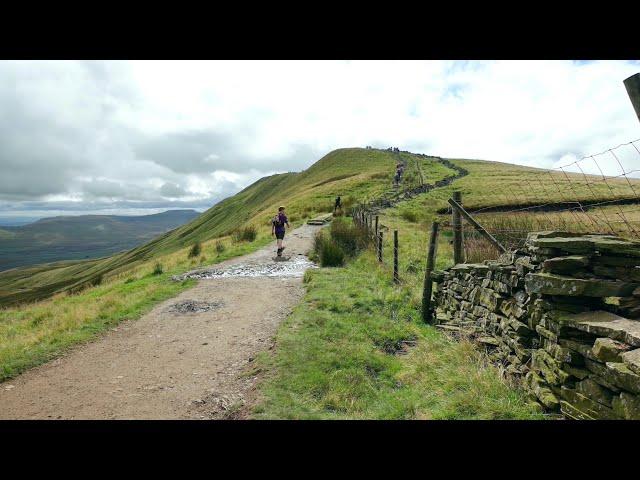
{"x":184,"y":359}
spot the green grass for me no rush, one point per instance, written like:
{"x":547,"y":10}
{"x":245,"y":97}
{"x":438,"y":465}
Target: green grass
{"x":495,"y":183}
{"x":336,"y":358}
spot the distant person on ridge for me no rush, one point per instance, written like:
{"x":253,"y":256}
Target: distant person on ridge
{"x":277,"y":228}
{"x":338,"y":204}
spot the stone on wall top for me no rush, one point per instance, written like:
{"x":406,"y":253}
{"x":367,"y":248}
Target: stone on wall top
{"x":584,"y":243}
{"x":604,"y":324}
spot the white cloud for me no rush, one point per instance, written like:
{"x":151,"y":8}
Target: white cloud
{"x":146,"y":130}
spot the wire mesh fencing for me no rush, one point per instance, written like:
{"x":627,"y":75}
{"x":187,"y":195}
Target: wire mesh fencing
{"x":599,"y":193}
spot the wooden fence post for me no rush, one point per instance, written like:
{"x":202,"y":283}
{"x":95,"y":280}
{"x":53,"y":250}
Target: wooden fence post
{"x":632,"y":85}
{"x":396,"y":278}
{"x":427,"y":314}
{"x":456,"y":224}
{"x":376,"y":225}
{"x":380,"y":247}
{"x":476,"y":225}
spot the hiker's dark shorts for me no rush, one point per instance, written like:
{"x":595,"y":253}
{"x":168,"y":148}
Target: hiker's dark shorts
{"x":279,"y":235}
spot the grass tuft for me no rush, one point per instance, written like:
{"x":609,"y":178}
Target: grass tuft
{"x":245,"y":234}
{"x":195,"y":250}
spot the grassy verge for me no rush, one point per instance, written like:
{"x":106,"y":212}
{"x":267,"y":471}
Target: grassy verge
{"x":356,"y":349}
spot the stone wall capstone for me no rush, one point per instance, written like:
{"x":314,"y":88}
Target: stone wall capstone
{"x":561,"y":314}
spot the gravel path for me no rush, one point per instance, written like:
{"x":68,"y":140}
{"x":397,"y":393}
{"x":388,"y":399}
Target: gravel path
{"x":186,"y":358}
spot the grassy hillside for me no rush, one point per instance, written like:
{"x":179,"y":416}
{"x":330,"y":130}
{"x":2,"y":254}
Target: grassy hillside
{"x":84,"y":236}
{"x":354,"y":173}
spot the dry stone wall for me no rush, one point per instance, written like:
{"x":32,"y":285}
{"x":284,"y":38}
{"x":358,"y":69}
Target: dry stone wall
{"x":561,"y":314}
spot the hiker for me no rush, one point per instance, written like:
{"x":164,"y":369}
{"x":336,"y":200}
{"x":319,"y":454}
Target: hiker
{"x":338,"y":204}
{"x":277,"y":228}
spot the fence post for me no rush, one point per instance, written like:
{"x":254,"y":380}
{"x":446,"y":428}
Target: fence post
{"x":632,"y":85}
{"x":380,"y":247}
{"x":476,"y":225}
{"x":396,"y":278}
{"x":427,"y":315}
{"x":376,"y":225}
{"x":456,"y":224}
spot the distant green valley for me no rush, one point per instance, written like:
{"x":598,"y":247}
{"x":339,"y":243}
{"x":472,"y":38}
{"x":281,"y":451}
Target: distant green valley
{"x":81,"y":237}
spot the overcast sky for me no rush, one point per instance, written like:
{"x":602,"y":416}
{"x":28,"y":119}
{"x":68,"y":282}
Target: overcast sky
{"x":144,"y":136}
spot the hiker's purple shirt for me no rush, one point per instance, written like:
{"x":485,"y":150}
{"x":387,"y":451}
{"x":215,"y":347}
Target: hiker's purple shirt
{"x":283,"y":219}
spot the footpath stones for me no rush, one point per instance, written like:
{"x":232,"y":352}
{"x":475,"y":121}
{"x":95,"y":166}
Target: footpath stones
{"x":559,"y":315}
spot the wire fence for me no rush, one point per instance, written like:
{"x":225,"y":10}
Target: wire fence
{"x":598,"y":193}
{"x":384,"y":240}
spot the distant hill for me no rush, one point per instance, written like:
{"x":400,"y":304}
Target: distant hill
{"x":82,"y":237}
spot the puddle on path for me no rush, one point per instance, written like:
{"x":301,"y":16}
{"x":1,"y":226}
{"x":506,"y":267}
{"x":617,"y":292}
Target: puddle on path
{"x":294,"y":267}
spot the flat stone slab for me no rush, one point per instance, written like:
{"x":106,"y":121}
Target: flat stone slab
{"x":570,"y":245}
{"x":448,"y":328}
{"x":605,"y":324}
{"x":632,"y":360}
{"x":486,"y":340}
{"x":550,"y":284}
{"x":603,"y":244}
{"x":320,"y":220}
{"x":627,"y":406}
{"x":565,"y":264}
{"x":623,"y":377}
{"x":609,"y":350}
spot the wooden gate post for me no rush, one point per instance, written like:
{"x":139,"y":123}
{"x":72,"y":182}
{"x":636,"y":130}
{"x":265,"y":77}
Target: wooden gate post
{"x":396,"y":278}
{"x":477,"y":226}
{"x":632,"y":85}
{"x":427,"y":314}
{"x":456,"y":224}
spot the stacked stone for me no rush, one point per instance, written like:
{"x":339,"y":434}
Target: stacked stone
{"x":488,"y":303}
{"x":562,"y":313}
{"x":586,"y":365}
